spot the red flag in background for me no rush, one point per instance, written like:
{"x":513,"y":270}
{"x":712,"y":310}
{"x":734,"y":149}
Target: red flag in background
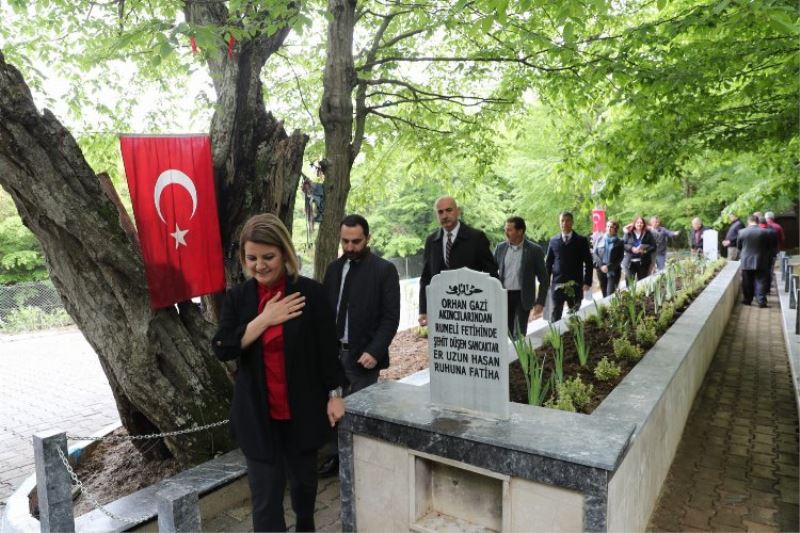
{"x":598,"y":220}
{"x":171,"y":181}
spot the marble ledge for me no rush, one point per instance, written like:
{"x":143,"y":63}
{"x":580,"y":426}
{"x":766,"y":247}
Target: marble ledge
{"x":575,"y":438}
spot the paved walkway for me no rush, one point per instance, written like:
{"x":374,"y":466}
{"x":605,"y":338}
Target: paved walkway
{"x":736,"y":468}
{"x":50,"y":380}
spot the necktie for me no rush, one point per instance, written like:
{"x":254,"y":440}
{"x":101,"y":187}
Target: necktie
{"x":344,"y":299}
{"x":448,"y":248}
{"x":566,"y":239}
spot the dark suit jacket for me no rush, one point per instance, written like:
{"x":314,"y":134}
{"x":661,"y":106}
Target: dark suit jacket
{"x":646,"y":257}
{"x":373,"y":306}
{"x":569,"y":262}
{"x":531,"y":264}
{"x":470,"y":249}
{"x":312,"y":368}
{"x":615,"y":257}
{"x":756,"y":245}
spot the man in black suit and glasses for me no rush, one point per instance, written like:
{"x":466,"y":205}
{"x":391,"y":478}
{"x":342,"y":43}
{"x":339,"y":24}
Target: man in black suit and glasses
{"x":455,"y":245}
{"x":569,"y":263}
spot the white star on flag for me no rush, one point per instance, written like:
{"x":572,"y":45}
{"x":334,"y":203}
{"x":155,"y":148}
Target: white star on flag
{"x":179,"y":236}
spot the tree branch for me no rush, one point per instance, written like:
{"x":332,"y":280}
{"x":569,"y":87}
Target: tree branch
{"x":414,"y":125}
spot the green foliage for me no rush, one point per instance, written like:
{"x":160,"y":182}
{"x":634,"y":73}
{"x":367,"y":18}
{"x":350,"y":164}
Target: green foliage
{"x":31,"y":318}
{"x":665,"y":316}
{"x":533,"y":370}
{"x":606,"y":370}
{"x":562,"y":403}
{"x":578,"y":329}
{"x":557,"y":342}
{"x":21,"y":258}
{"x":422,"y":332}
{"x":573,"y":392}
{"x":645,"y":333}
{"x":625,"y":349}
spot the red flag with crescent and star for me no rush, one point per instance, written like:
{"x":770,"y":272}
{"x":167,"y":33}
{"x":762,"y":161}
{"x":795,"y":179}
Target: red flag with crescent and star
{"x":598,"y":220}
{"x":171,"y":181}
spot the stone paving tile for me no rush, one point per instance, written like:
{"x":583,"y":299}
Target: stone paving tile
{"x":737,"y":463}
{"x":48,"y":381}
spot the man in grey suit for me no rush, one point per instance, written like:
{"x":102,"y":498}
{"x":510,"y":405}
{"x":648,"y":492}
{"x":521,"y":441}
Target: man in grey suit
{"x":519,"y":261}
{"x":755,"y":246}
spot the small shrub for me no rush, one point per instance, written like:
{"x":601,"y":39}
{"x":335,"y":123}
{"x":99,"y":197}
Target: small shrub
{"x":606,"y":370}
{"x":31,"y":318}
{"x":665,"y":317}
{"x":625,"y":349}
{"x":563,"y":404}
{"x":577,"y":391}
{"x":646,"y":332}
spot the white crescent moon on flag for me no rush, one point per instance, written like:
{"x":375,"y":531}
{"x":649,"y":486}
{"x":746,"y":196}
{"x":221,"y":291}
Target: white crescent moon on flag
{"x":596,"y":217}
{"x":174,"y":177}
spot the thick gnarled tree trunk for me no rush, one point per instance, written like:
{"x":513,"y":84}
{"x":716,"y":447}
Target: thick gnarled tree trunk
{"x":158,"y":362}
{"x":336,"y":115}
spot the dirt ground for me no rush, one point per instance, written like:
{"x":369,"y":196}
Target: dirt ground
{"x":114,"y":470}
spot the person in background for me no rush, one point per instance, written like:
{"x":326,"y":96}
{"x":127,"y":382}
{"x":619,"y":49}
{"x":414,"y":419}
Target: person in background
{"x":661,"y":235}
{"x":569,"y":266}
{"x":732,"y":235}
{"x":520,"y":261}
{"x":453,"y":246}
{"x":364,"y":289}
{"x":696,"y":237}
{"x":639,"y":249}
{"x":279,"y":328}
{"x":756,"y":245}
{"x":607,"y":256}
{"x":774,"y":239}
{"x":770,"y":216}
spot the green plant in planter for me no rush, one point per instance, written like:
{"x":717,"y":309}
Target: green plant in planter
{"x":577,"y":391}
{"x":600,"y":313}
{"x":665,"y":316}
{"x":658,"y":293}
{"x":606,"y":370}
{"x":563,"y":404}
{"x":578,"y":329}
{"x":670,"y":281}
{"x":625,"y":349}
{"x":645,"y":333}
{"x":532,"y":369}
{"x":554,"y":337}
{"x":681,"y":298}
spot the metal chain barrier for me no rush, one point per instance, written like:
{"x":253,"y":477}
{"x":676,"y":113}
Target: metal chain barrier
{"x":120,"y":438}
{"x":89,"y":496}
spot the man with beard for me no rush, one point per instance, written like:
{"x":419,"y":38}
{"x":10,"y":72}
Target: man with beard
{"x":364,"y":289}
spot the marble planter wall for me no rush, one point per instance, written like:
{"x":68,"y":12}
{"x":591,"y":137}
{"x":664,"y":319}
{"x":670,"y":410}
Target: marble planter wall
{"x":409,"y":465}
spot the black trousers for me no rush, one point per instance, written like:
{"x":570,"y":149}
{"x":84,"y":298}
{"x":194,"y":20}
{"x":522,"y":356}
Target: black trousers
{"x":640,"y":269}
{"x":517,"y":315}
{"x":559,"y":297}
{"x":755,"y":283}
{"x":608,"y":281}
{"x":268,"y":483}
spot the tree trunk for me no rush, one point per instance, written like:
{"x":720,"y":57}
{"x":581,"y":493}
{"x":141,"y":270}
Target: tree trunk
{"x":158,"y":362}
{"x":336,"y":115}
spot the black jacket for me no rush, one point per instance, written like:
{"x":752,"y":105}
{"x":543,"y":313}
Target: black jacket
{"x":569,"y":262}
{"x":756,"y":245}
{"x":312,"y":368}
{"x":373,"y":308}
{"x":648,"y":243}
{"x":470,"y":249}
{"x":531,"y":266}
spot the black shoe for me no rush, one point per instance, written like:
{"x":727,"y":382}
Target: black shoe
{"x":329,"y":467}
{"x":762,"y":306}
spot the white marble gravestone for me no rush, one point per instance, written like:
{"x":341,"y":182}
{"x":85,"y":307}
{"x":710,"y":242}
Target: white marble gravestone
{"x":468,"y":342}
{"x":710,"y":244}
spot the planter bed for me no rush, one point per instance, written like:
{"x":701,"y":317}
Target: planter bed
{"x":544,"y":468}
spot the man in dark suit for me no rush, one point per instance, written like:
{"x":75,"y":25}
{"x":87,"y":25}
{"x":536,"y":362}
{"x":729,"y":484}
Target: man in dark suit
{"x":454,"y":246}
{"x":755,"y":245}
{"x":364,"y":289}
{"x":519,"y":261}
{"x":569,"y":263}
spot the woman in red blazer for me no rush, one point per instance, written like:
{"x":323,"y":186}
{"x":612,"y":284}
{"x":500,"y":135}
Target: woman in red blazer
{"x":281,"y":331}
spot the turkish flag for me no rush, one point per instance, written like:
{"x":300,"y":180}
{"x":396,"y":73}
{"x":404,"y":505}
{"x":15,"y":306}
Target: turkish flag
{"x":171,"y":181}
{"x":598,"y":220}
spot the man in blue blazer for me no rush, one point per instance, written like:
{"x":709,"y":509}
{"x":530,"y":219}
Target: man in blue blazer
{"x":519,"y":261}
{"x":569,"y":263}
{"x":454,"y":246}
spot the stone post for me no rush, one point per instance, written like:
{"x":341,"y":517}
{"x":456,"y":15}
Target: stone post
{"x":53,"y":484}
{"x":784,"y":265}
{"x":787,"y":286}
{"x":793,"y":291}
{"x":178,"y":510}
